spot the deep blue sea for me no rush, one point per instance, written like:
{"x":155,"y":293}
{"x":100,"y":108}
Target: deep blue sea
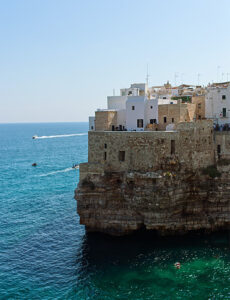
{"x":46,"y":254}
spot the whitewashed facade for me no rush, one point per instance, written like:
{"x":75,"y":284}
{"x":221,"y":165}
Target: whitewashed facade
{"x":151,"y":111}
{"x":92,"y":123}
{"x":135,"y":113}
{"x":217,"y":104}
{"x":116,"y":102}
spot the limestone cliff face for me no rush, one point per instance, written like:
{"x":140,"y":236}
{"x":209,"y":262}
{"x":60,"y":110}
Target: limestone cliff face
{"x":170,"y":202}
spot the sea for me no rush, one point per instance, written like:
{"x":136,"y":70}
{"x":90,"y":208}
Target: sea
{"x":46,"y":254}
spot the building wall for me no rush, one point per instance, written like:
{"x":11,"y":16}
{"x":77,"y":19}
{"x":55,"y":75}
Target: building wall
{"x":91,"y":123}
{"x":166,"y":101}
{"x":214,"y":104}
{"x":129,"y":92}
{"x":199,"y":101}
{"x":137,"y":113}
{"x":151,"y":110}
{"x":121,"y":118}
{"x":175,"y":113}
{"x":104,"y":120}
{"x":151,"y":150}
{"x":116,"y":102}
{"x":222,"y":138}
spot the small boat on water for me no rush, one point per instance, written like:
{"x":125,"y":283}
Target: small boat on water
{"x":34,"y":165}
{"x":75,"y":166}
{"x":34,"y":137}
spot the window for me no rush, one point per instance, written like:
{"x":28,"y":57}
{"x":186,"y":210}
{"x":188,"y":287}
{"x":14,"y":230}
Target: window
{"x":199,"y":105}
{"x":223,"y":97}
{"x":140,"y":123}
{"x":105,"y":146}
{"x":172,"y":120}
{"x":165,"y":120}
{"x":91,"y":127}
{"x":113,"y":127}
{"x":120,"y":127}
{"x":121,"y":155}
{"x":153,"y":121}
{"x":151,"y":107}
{"x":105,"y":155}
{"x":130,"y":93}
{"x":199,"y":117}
{"x":218,"y":149}
{"x":133,"y":107}
{"x":172,"y":147}
{"x":224,"y":112}
{"x":164,"y":98}
{"x":171,"y":102}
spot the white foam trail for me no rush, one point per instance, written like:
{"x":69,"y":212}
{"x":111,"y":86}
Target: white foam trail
{"x":58,"y":171}
{"x":59,"y":136}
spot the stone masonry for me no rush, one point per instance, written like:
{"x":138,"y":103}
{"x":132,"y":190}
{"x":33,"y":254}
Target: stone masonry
{"x":172,"y":182}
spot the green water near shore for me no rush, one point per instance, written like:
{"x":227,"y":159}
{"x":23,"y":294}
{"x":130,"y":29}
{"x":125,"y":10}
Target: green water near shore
{"x":148,"y":271}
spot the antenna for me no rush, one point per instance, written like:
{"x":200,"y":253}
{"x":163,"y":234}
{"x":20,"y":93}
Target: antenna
{"x":147,"y":75}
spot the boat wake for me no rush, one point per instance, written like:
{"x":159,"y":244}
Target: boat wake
{"x":58,"y":171}
{"x":58,"y":136}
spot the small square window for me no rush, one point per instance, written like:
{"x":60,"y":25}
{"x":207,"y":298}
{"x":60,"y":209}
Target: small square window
{"x":105,"y":146}
{"x":121,"y":155}
{"x":223,"y":97}
{"x":140,"y":123}
{"x":151,"y":107}
{"x":133,"y":107}
{"x":153,"y":121}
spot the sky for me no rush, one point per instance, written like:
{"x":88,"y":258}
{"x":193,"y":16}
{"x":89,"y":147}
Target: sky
{"x":60,"y":59}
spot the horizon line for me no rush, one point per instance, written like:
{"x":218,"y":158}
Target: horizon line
{"x":45,"y":122}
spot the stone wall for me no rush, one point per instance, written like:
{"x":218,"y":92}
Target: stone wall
{"x":175,"y":113}
{"x":192,"y":145}
{"x":153,"y":187}
{"x":104,"y":120}
{"x":222,"y":144}
{"x":199,"y":101}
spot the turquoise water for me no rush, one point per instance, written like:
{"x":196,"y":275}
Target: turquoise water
{"x":45,"y":253}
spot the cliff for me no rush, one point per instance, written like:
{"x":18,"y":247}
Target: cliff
{"x":172,"y":182}
{"x":171,"y":202}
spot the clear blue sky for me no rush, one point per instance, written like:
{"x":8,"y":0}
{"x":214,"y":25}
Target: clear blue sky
{"x":60,"y":59}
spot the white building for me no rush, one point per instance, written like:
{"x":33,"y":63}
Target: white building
{"x":217,"y":104}
{"x":166,"y":101}
{"x":116,"y":102}
{"x":135,"y":113}
{"x":151,"y":111}
{"x":134,"y":109}
{"x":91,"y":123}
